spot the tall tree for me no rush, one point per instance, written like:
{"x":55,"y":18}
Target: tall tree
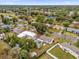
{"x":40,"y":18}
{"x":40,"y":27}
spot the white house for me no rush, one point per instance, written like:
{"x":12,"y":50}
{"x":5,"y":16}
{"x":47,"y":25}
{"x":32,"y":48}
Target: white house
{"x":27,"y":34}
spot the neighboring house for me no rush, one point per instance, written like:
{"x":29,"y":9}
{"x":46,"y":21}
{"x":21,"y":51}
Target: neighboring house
{"x":27,"y":34}
{"x":71,"y":13}
{"x":73,"y":30}
{"x":49,"y":25}
{"x":6,"y":26}
{"x":8,"y":17}
{"x":17,"y":30}
{"x":20,"y":20}
{"x":46,"y":39}
{"x":39,"y":40}
{"x":75,"y":24}
{"x":58,"y":27}
{"x":51,"y":17}
{"x":22,"y":25}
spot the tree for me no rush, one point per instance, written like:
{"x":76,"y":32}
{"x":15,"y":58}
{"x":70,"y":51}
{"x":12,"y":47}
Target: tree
{"x":28,"y":44}
{"x":66,"y":23}
{"x":24,"y":54}
{"x":40,"y":19}
{"x":40,"y":27}
{"x":14,"y":19}
{"x":77,"y":19}
{"x":7,"y":20}
{"x":12,"y":41}
{"x":50,"y":21}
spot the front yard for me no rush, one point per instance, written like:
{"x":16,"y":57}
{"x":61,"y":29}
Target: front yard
{"x":71,"y":34}
{"x":64,"y":40}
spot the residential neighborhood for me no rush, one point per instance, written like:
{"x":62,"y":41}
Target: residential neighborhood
{"x":39,"y":32}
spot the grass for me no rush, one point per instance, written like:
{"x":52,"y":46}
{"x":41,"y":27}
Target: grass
{"x":42,"y":57}
{"x":45,"y":56}
{"x":71,"y":34}
{"x":58,"y":52}
{"x":64,"y":40}
{"x":77,"y":44}
{"x":10,"y":33}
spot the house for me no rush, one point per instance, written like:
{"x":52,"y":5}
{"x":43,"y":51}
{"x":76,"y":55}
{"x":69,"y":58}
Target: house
{"x":7,"y":17}
{"x":27,"y":34}
{"x":50,"y":25}
{"x":58,"y":27}
{"x":75,"y":24}
{"x":46,"y":39}
{"x":71,"y":13}
{"x":73,"y":30}
{"x":20,"y":20}
{"x":22,"y":25}
{"x":6,"y":26}
{"x":17,"y":30}
{"x":51,"y":17}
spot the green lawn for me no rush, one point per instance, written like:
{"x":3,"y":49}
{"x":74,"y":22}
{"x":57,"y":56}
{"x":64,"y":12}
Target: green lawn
{"x":71,"y":34}
{"x":76,"y":44}
{"x":45,"y":56}
{"x":64,"y":40}
{"x":58,"y":52}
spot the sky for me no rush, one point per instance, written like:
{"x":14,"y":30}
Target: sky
{"x":39,"y":2}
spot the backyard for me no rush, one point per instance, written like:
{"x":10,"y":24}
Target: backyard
{"x":45,"y":56}
{"x":58,"y":52}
